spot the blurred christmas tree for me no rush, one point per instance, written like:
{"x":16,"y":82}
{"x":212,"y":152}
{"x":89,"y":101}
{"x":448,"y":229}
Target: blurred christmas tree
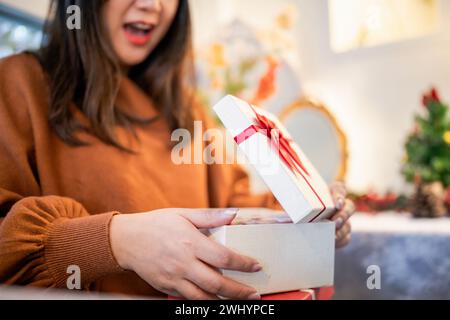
{"x":428,"y":147}
{"x":428,"y":157}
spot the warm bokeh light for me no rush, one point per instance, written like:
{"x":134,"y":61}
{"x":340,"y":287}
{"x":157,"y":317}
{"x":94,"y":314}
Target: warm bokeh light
{"x":362,"y":23}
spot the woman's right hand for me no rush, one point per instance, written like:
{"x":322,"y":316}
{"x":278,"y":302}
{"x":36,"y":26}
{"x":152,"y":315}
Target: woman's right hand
{"x":167,"y":250}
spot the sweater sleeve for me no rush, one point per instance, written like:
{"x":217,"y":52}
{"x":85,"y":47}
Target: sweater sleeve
{"x":40,"y":237}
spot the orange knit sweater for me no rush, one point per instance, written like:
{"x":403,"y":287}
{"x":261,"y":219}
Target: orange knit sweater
{"x":57,"y":201}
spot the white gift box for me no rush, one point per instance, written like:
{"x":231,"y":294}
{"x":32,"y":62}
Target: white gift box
{"x":296,"y":255}
{"x":293,"y":256}
{"x":298,"y":187}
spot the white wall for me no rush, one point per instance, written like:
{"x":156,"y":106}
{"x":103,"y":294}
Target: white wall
{"x":35,"y":7}
{"x":373,"y":92}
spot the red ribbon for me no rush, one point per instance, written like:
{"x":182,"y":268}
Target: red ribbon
{"x":283,"y":144}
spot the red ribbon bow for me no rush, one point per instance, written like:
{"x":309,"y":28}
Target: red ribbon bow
{"x":269,"y":128}
{"x":280,"y":142}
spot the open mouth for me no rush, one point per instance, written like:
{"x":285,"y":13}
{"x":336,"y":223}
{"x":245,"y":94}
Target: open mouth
{"x":138,"y":33}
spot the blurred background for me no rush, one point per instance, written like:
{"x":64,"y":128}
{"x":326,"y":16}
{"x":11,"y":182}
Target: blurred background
{"x":363,"y":86}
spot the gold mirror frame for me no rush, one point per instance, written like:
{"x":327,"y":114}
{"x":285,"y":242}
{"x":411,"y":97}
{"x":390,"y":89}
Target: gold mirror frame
{"x":309,"y":103}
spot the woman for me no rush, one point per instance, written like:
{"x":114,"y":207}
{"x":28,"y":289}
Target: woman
{"x":85,"y":138}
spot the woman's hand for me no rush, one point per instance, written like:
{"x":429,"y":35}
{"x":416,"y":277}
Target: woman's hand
{"x":346,"y":209}
{"x":166,"y":249}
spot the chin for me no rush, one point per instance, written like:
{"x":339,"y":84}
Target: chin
{"x":129,"y":59}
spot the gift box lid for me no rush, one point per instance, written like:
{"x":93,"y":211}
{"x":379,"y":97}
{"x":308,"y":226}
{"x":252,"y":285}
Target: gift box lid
{"x":286,"y":170}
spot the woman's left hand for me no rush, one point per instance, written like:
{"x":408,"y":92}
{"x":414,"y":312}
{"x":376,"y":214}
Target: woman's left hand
{"x":345,"y":209}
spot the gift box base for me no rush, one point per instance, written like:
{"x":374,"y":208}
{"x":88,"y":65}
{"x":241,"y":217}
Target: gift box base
{"x":325,"y":293}
{"x":293,"y":256}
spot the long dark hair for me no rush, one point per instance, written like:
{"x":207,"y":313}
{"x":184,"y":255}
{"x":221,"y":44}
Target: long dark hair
{"x":84,"y":70}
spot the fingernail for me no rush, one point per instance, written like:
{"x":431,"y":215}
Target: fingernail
{"x":254,"y":296}
{"x":231,"y":211}
{"x":340,"y":204}
{"x":257,"y":267}
{"x":339,"y":223}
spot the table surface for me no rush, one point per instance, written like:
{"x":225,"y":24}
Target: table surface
{"x":413,"y":256}
{"x":394,"y":222}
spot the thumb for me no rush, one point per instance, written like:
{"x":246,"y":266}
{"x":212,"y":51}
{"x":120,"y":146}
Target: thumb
{"x":209,"y":218}
{"x":339,"y":193}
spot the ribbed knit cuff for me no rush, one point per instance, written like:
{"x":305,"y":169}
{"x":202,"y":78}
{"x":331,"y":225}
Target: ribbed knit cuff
{"x":80,"y":242}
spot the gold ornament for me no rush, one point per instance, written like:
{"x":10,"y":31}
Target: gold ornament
{"x":447,"y":137}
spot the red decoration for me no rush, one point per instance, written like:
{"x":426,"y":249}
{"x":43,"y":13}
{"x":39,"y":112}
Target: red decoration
{"x":432,"y":96}
{"x":267,"y":85}
{"x":447,"y":198}
{"x":373,"y":202}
